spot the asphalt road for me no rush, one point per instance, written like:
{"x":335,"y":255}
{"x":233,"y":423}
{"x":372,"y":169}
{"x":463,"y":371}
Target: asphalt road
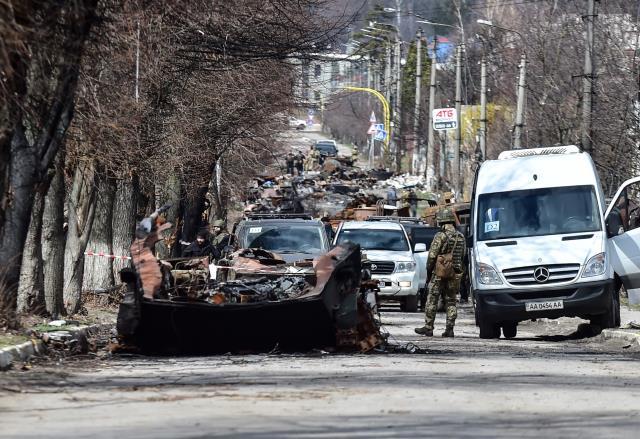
{"x":546,"y":382}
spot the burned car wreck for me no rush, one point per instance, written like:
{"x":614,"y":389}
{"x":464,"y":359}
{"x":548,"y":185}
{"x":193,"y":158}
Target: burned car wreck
{"x":255,"y":302}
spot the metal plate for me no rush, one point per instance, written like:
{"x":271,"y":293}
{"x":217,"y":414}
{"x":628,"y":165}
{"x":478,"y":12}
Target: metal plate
{"x":543,"y":306}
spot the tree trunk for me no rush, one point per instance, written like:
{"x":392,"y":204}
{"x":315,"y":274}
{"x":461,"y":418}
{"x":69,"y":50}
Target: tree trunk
{"x":13,"y":231}
{"x":53,"y":240}
{"x":171,"y":192}
{"x":194,"y":207}
{"x":31,"y":286}
{"x":98,"y":270}
{"x":81,"y":208}
{"x":216,"y":197}
{"x":123,"y":222}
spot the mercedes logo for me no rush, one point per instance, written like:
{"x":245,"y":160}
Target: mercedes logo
{"x":374,"y":267}
{"x":541,"y":274}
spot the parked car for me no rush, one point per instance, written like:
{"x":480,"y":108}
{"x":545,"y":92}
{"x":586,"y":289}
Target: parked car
{"x":296,"y":123}
{"x":386,"y":246}
{"x":418,"y":233}
{"x":326,"y":148}
{"x":292,"y":236}
{"x":540,"y":243}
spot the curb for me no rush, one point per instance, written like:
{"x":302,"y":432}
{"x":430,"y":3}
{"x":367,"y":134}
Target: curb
{"x":21,"y":352}
{"x":613,"y":334}
{"x":24,"y":351}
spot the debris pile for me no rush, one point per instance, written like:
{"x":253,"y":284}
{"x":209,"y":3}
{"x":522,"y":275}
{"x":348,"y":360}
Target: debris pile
{"x":260,"y":303}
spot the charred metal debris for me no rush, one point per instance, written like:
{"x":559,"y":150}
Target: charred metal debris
{"x":252,"y":302}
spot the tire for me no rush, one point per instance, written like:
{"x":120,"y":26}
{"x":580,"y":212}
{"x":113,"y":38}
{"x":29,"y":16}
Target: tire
{"x":509,"y":330}
{"x":489,"y":330}
{"x":475,"y":310}
{"x":617,"y":309}
{"x":611,"y":317}
{"x":411,"y":303}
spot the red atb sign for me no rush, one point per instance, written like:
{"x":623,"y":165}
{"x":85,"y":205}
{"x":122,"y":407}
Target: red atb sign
{"x":445,"y":119}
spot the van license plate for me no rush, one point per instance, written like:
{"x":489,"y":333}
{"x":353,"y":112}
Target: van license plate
{"x":543,"y":306}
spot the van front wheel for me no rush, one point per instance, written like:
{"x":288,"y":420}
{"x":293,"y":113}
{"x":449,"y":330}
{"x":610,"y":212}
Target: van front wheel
{"x":611,"y":318}
{"x":509,"y":330}
{"x":489,"y":329}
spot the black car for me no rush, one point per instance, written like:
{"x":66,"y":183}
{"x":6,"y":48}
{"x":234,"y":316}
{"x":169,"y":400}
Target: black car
{"x":326,"y":148}
{"x":294,"y":237}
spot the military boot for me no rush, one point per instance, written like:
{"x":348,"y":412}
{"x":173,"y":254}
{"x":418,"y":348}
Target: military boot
{"x":424,"y":331}
{"x":448,"y":332}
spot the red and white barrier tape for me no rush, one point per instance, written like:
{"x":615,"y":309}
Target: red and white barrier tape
{"x":104,"y":255}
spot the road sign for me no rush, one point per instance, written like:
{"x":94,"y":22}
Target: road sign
{"x":379,"y":127}
{"x":372,"y":129}
{"x":372,"y":119}
{"x":445,"y":119}
{"x":380,"y":135}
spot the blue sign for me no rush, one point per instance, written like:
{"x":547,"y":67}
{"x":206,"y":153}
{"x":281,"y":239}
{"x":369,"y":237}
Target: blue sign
{"x":380,"y":135}
{"x":379,"y":127}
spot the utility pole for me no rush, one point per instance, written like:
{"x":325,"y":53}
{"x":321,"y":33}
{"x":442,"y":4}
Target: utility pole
{"x":588,"y":78}
{"x":137,"y":93}
{"x":416,"y":111}
{"x":387,"y":72}
{"x":430,"y":171}
{"x":398,"y":105}
{"x":519,"y":128}
{"x":483,"y":108}
{"x":456,"y":151}
{"x":398,"y":118}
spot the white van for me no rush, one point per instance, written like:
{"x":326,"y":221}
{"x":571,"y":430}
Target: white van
{"x":540,"y":245}
{"x":386,"y":245}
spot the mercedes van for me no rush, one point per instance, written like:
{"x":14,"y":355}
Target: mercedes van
{"x":543,"y":243}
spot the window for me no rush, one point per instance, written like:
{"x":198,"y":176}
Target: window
{"x":317,"y":70}
{"x":626,"y":211}
{"x":372,"y":239}
{"x":536,"y":212}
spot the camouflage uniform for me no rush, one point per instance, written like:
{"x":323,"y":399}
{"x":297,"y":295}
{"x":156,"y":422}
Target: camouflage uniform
{"x":443,"y":243}
{"x":222,"y":238}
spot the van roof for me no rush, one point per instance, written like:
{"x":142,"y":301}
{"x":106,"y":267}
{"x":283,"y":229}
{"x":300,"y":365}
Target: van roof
{"x":533,"y":169}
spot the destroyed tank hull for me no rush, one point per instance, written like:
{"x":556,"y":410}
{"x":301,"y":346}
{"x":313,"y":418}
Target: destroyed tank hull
{"x":325,"y":317}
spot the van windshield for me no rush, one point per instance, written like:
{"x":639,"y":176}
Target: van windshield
{"x":535,"y":212}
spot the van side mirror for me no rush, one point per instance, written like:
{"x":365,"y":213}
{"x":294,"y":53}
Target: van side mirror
{"x":420,"y":248}
{"x":613,"y":224}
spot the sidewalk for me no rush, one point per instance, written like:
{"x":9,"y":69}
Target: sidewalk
{"x":72,"y":337}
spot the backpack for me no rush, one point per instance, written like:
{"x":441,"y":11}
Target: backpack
{"x":444,"y":268}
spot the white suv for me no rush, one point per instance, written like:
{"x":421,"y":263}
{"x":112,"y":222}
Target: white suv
{"x":386,"y":246}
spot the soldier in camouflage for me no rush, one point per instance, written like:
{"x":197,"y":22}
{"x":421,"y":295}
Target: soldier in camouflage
{"x":449,"y":240}
{"x":222,"y":238}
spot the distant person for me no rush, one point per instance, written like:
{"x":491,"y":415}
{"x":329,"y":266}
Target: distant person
{"x":392,"y":196}
{"x":412,"y":199}
{"x":221,"y":237}
{"x":289,"y":160}
{"x":200,"y":247}
{"x":299,"y":162}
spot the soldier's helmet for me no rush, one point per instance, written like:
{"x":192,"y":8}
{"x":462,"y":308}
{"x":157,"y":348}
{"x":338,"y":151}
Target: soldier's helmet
{"x":445,"y":216}
{"x":218,"y":223}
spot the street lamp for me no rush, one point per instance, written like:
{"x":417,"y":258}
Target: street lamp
{"x":398,"y":82}
{"x":519,"y":125}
